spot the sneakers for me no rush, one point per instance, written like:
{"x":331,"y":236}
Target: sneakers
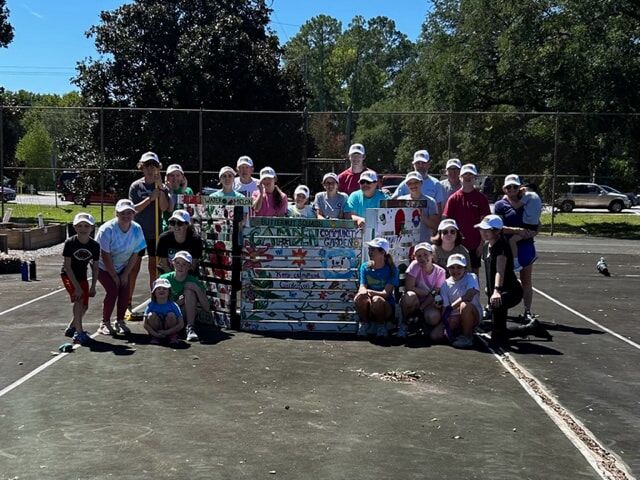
{"x":173,"y":340}
{"x":105,"y":328}
{"x":382,"y":331}
{"x":69,"y":332}
{"x":363,"y":329}
{"x":463,"y":341}
{"x":516,"y":265}
{"x":192,"y":336}
{"x":402,"y":331}
{"x":122,"y":328}
{"x":82,"y":338}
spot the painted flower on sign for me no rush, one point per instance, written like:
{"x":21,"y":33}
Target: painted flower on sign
{"x":299,"y":255}
{"x":255,"y":256}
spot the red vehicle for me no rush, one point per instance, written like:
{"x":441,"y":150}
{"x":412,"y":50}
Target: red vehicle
{"x":110,"y":198}
{"x":390,"y":181}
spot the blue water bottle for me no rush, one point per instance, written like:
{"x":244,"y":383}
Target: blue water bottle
{"x":24,"y":270}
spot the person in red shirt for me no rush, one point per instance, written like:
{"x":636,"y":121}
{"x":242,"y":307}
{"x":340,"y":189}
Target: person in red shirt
{"x":349,"y":179}
{"x":468,"y":207}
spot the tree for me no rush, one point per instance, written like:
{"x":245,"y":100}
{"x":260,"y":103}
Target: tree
{"x":215,"y":54}
{"x":34,"y":151}
{"x":6,"y":30}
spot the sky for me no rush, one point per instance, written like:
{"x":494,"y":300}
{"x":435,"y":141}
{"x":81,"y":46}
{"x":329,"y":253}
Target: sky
{"x":49,"y":35}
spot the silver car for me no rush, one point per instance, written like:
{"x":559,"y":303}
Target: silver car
{"x":591,"y":195}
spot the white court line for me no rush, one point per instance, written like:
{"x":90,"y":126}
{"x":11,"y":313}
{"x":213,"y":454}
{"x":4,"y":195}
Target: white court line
{"x":584,"y":317}
{"x":31,"y":301}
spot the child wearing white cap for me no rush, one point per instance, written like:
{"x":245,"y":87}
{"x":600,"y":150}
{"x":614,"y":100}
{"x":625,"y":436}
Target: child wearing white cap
{"x":420,"y":310}
{"x":462,"y":310}
{"x":187,"y":291}
{"x":227,"y":178}
{"x":300,"y":208}
{"x":375,"y":301}
{"x":349,"y":179}
{"x":162,"y":317}
{"x":331,"y":202}
{"x":269,"y":200}
{"x":431,"y":187}
{"x":80,"y":250}
{"x":244,"y":183}
{"x":429,"y":216}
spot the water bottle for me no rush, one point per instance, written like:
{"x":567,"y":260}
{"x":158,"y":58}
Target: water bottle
{"x":24,"y":271}
{"x":32,"y":270}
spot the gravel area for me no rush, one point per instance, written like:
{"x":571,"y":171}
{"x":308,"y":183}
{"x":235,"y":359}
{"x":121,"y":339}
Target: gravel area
{"x":40,"y":252}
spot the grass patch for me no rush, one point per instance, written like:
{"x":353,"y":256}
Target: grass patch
{"x":610,"y":225}
{"x":62,"y":214}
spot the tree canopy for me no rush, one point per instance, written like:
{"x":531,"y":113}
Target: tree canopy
{"x":6,"y":30}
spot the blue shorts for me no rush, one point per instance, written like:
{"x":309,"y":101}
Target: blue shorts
{"x":526,"y":253}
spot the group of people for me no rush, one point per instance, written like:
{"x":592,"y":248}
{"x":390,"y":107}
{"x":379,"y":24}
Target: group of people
{"x":116,"y":255}
{"x":442,"y":291}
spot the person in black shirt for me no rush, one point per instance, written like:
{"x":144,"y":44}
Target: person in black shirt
{"x":179,"y":237}
{"x":503,"y":287}
{"x":79,"y":250}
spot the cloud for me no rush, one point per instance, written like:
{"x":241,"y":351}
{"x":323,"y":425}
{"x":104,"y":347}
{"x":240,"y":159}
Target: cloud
{"x":33,"y":12}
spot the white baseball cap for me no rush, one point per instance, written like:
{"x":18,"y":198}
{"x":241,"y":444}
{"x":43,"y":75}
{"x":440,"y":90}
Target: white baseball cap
{"x":490,"y":222}
{"x":356,"y":148}
{"x":331,"y":175}
{"x":149,"y":157}
{"x":125,"y":204}
{"x":174,"y":167}
{"x":453,"y":163}
{"x":183,"y":254}
{"x":83,"y":217}
{"x":224,"y":170}
{"x":380,"y":242}
{"x":414,"y":176}
{"x":421,"y":156}
{"x":267,"y":172}
{"x":456,"y":259}
{"x":369,"y":176}
{"x":161,"y":282}
{"x":447,"y":223}
{"x":244,"y":160}
{"x":302,"y":189}
{"x":512,"y":179}
{"x":424,"y":246}
{"x":181,"y":215}
{"x":469,"y":168}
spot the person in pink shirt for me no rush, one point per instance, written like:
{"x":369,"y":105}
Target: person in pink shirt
{"x":468,"y":207}
{"x":349,"y":179}
{"x":268,"y":199}
{"x":420,"y":308}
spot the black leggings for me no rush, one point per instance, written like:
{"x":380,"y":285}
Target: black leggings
{"x":499,"y":315}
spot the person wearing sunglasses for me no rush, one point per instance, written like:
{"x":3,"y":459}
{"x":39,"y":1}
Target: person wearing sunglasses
{"x":503,"y":287}
{"x":375,"y":302}
{"x":512,"y":208}
{"x":180,"y":236}
{"x":448,"y":241}
{"x":369,"y":196}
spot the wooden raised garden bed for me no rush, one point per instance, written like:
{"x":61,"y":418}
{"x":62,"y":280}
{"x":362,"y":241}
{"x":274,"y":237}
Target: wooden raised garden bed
{"x":31,"y":237}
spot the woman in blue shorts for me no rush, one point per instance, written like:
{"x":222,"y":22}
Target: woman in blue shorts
{"x":375,"y":301}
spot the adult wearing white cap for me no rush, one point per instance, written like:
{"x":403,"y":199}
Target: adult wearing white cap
{"x":145,"y":193}
{"x":369,"y":196}
{"x":375,"y":302}
{"x":331,"y":202}
{"x":269,"y":200}
{"x":300,"y":208}
{"x":430,"y":185}
{"x":448,"y":241}
{"x":420,"y":310}
{"x":122,"y":244}
{"x":349,"y":179}
{"x":452,"y":183}
{"x":180,"y":236}
{"x":244,"y":183}
{"x":429,"y":217}
{"x":467,"y":207}
{"x":512,"y":210}
{"x":504,"y":289}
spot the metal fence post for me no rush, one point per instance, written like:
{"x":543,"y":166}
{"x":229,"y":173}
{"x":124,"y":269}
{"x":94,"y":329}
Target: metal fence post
{"x":200,"y":151}
{"x":305,"y":132}
{"x":102,"y":161}
{"x":348,"y":128}
{"x":449,"y":134}
{"x":2,"y":159}
{"x":555,"y":172}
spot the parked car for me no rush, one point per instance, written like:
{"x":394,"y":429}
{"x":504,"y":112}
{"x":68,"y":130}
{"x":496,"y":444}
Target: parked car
{"x":8,"y":194}
{"x":69,"y":191}
{"x":591,"y":195}
{"x":630,"y":195}
{"x":390,"y":182}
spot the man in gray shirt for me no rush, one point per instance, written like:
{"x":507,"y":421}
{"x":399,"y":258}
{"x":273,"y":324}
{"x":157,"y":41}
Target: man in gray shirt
{"x":144,"y":193}
{"x":452,"y":183}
